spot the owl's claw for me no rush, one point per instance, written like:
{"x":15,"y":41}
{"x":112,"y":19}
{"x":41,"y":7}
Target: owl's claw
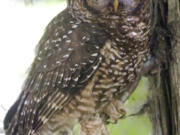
{"x":115,"y":110}
{"x":120,"y":107}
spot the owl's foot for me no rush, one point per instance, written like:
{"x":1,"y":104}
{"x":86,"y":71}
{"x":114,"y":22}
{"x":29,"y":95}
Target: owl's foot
{"x":115,"y":110}
{"x":93,"y":126}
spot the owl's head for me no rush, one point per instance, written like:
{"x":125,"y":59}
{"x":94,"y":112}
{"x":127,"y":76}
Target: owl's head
{"x":106,"y":6}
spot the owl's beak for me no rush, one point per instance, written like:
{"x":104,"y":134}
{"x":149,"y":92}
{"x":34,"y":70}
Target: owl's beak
{"x":116,"y":4}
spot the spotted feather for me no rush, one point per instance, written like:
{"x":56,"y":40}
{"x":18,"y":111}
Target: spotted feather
{"x":61,"y":69}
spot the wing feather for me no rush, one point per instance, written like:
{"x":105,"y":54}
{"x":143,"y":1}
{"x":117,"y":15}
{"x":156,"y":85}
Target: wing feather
{"x":60,"y":70}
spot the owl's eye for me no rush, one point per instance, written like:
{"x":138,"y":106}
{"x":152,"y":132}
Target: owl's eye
{"x":130,"y":3}
{"x":98,"y":4}
{"x":103,"y":5}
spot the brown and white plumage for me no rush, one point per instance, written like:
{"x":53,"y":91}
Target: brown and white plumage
{"x":88,"y":61}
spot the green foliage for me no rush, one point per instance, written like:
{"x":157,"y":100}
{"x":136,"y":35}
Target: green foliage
{"x":139,"y":96}
{"x":137,"y":125}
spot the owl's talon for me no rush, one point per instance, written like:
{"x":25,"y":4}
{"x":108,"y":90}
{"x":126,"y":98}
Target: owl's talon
{"x":122,"y":112}
{"x":115,"y":110}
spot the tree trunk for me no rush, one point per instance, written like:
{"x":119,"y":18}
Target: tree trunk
{"x":165,"y":86}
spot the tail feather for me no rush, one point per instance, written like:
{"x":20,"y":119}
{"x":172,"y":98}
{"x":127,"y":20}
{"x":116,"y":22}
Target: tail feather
{"x":10,"y":114}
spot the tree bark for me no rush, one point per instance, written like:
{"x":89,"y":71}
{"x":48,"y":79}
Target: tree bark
{"x":165,"y":86}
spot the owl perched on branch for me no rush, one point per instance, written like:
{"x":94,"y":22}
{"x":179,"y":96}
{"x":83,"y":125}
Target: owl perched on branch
{"x":87,"y":64}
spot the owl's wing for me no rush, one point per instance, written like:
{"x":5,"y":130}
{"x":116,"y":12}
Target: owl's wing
{"x":67,"y":57}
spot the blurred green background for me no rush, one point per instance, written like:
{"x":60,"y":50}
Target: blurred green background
{"x":26,"y":25}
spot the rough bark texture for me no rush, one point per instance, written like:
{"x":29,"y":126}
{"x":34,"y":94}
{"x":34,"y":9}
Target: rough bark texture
{"x":174,"y":23}
{"x":165,"y":86}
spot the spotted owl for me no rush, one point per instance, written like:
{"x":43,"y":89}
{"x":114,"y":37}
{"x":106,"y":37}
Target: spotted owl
{"x":87,"y":63}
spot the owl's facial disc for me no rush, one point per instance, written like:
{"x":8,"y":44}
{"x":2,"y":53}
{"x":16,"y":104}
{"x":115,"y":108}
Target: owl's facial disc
{"x":113,"y":5}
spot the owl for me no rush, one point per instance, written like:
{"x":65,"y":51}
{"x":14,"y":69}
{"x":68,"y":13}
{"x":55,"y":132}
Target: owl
{"x":87,"y":64}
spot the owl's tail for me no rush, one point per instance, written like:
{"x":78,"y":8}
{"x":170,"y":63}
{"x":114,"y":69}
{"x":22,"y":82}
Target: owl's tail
{"x":9,"y":116}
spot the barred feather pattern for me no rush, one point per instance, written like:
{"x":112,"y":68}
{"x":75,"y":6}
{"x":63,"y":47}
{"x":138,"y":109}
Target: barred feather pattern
{"x":83,"y":64}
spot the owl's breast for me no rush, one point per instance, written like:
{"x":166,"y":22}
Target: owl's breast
{"x":115,"y":72}
{"x":118,"y":69}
